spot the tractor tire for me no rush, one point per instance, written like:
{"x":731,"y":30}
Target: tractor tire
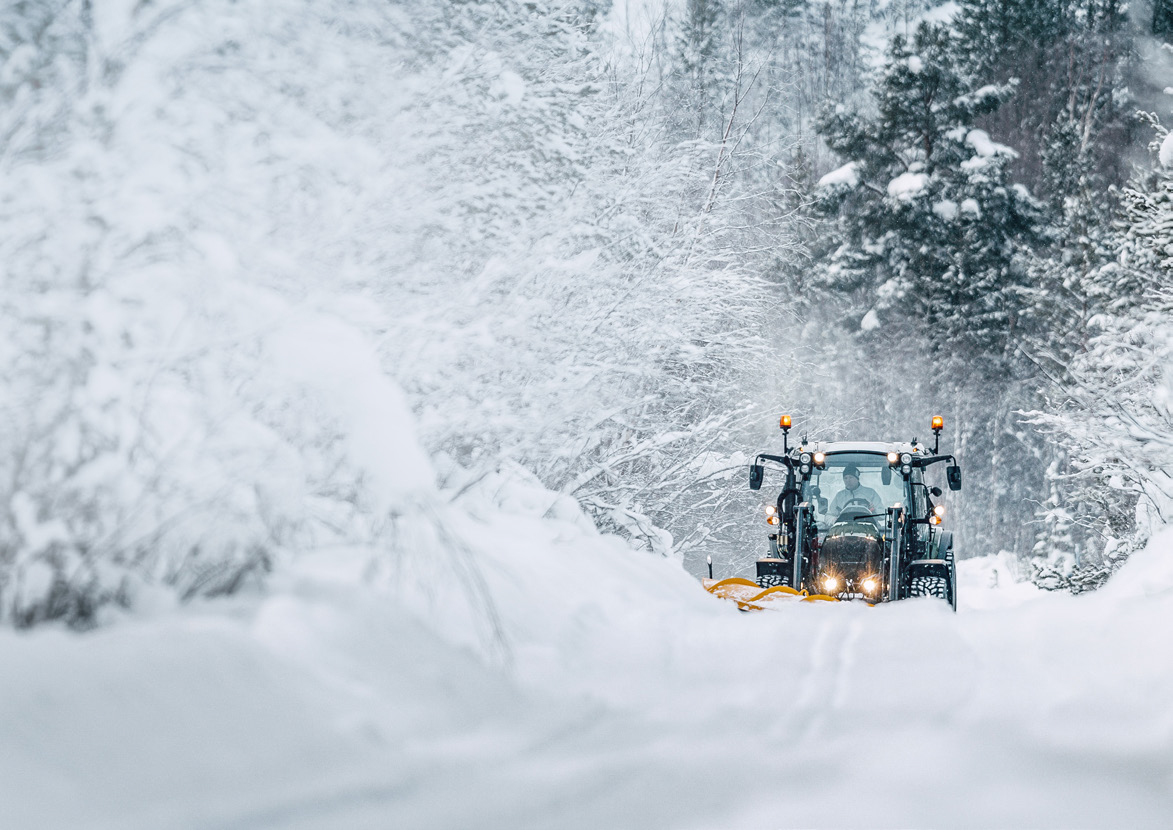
{"x":773,"y":572}
{"x":772,"y":580}
{"x":929,"y":586}
{"x":952,"y":579}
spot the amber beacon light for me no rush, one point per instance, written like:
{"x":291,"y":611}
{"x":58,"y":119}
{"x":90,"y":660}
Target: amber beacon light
{"x":784,"y":425}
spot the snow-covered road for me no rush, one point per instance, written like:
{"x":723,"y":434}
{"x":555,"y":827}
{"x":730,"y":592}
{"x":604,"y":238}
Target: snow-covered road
{"x":628,"y":698}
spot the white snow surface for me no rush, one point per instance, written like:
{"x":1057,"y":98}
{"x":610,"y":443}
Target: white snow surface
{"x":627,"y":697}
{"x":1166,"y":151}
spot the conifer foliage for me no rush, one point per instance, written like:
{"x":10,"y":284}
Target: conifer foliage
{"x":929,"y":225}
{"x":1071,"y":61}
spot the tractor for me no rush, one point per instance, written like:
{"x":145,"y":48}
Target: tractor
{"x":857,"y":520}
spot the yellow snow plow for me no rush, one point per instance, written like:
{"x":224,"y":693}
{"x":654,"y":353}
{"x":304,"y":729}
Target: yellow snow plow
{"x":750,"y":596}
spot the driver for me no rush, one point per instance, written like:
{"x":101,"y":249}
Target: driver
{"x":852,"y":491}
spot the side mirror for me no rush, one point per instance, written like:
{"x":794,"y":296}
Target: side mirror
{"x":954,"y":475}
{"x":756,"y":473}
{"x":936,"y":491}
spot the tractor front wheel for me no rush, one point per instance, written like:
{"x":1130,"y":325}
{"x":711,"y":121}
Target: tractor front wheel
{"x":929,"y":586}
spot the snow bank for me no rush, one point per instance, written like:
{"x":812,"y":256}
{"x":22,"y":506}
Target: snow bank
{"x":630,"y":698}
{"x":339,"y":367}
{"x":1147,"y":573}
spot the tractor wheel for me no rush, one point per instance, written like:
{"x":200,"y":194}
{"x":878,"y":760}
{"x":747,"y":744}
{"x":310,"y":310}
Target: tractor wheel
{"x":771,"y":580}
{"x":952,"y":578}
{"x":929,"y":586}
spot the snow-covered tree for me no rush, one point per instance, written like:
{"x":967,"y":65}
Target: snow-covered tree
{"x":926,"y":271}
{"x":172,"y":217}
{"x":614,"y":221}
{"x":472,"y":202}
{"x":234,"y":230}
{"x":701,"y":55}
{"x":1113,"y":406}
{"x":930,"y":225}
{"x":1070,"y":59}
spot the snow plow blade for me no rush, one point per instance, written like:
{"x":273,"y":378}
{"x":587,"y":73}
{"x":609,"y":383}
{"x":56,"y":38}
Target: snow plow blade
{"x":750,"y":596}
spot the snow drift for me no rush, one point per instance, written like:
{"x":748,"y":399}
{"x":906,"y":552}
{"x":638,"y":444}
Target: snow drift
{"x":627,"y":697}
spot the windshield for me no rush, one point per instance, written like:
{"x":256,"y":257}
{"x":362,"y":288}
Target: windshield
{"x":853,"y":482}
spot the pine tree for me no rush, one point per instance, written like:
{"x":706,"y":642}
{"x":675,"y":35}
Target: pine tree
{"x":1060,"y":304}
{"x":930,"y":226}
{"x":1070,"y":59}
{"x":931,"y":234}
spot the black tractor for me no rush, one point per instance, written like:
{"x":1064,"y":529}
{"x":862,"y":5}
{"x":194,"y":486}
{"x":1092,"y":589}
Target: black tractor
{"x":857,"y":520}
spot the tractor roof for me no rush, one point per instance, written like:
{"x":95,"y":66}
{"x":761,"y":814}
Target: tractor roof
{"x":882,"y":447}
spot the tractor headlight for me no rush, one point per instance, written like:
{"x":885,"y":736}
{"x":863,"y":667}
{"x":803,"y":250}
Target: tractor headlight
{"x":893,"y":458}
{"x":771,"y":510}
{"x":939,"y":510}
{"x":804,"y":469}
{"x":906,"y":469}
{"x":830,"y":584}
{"x":870,"y":585}
{"x":820,"y":457}
{"x":906,"y":459}
{"x":805,"y":458}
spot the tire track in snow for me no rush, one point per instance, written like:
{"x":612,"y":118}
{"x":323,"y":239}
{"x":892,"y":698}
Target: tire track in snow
{"x":827,"y":682}
{"x":845,"y":664}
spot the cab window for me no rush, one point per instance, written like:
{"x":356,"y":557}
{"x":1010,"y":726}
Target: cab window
{"x":877,"y":482}
{"x":920,"y":496}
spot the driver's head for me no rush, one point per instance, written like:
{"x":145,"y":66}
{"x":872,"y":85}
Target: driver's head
{"x":851,"y":477}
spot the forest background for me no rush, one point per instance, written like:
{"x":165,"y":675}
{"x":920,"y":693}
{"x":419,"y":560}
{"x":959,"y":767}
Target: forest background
{"x":267,"y":266}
